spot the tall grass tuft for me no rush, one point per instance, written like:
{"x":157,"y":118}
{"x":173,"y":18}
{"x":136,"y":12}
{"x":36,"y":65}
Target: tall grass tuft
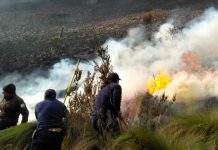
{"x":140,"y":138}
{"x":203,"y":127}
{"x":17,"y":138}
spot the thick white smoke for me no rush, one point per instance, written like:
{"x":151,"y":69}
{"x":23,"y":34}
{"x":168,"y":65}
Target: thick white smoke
{"x":136,"y":58}
{"x":191,"y":87}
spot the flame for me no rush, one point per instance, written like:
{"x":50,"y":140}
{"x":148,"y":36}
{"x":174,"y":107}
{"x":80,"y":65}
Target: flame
{"x":191,"y":62}
{"x":158,"y":82}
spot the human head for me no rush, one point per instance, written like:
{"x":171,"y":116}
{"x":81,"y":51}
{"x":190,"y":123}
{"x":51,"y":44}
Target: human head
{"x":9,"y":91}
{"x":113,"y":77}
{"x":50,"y":94}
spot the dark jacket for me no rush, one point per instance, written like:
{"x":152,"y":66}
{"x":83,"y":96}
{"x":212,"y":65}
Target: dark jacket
{"x":109,"y":98}
{"x":11,"y":109}
{"x":50,"y":113}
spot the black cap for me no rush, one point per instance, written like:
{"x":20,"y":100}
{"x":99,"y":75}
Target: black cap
{"x":50,"y":94}
{"x":113,"y":76}
{"x":10,"y":88}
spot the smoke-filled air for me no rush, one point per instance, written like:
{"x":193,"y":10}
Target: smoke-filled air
{"x":33,"y":86}
{"x":182,"y":62}
{"x":108,"y":74}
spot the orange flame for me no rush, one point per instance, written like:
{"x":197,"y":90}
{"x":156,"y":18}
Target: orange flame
{"x":158,"y":82}
{"x":191,"y":62}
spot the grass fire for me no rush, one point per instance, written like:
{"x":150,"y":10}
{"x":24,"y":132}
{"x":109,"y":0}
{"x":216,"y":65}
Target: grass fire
{"x":109,"y":75}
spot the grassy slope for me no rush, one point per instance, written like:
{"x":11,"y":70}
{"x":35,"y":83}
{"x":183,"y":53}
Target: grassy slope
{"x":17,"y":138}
{"x":195,"y":131}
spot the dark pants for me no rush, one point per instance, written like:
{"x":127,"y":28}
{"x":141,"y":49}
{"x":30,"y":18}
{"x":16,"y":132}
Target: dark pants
{"x":98,"y":124}
{"x":106,"y":123}
{"x":47,"y":140}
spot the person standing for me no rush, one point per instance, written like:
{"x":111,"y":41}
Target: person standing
{"x":50,"y":125}
{"x":107,"y":107}
{"x":11,"y":107}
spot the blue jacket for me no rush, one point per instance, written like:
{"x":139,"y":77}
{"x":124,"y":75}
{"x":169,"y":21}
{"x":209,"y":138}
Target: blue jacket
{"x":50,"y":114}
{"x":109,"y":98}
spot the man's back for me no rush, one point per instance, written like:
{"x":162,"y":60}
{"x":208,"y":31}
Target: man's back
{"x":50,"y":113}
{"x":107,"y":106}
{"x":50,"y":129}
{"x":109,"y":97}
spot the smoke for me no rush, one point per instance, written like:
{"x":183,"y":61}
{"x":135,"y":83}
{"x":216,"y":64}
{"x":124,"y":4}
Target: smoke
{"x":189,"y":55}
{"x":190,"y":87}
{"x":32,"y":87}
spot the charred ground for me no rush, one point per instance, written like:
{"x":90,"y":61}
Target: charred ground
{"x":30,"y":30}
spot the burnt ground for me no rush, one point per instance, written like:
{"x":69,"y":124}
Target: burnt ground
{"x":31,"y":37}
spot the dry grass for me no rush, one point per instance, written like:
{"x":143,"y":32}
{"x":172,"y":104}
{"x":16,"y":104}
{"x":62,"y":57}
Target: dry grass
{"x":195,"y":131}
{"x":155,"y":15}
{"x":80,"y":133}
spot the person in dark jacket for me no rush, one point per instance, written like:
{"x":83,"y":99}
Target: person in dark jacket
{"x":11,"y":107}
{"x":107,"y":106}
{"x":50,"y":125}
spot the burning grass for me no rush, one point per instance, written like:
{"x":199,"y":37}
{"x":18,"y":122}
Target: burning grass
{"x":158,"y":82}
{"x":149,"y":125}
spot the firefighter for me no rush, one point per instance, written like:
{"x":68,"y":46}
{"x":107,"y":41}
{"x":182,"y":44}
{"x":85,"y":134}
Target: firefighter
{"x":11,"y":107}
{"x":50,"y":114}
{"x":107,"y":107}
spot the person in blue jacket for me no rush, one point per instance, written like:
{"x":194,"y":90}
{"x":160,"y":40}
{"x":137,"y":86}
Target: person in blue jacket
{"x":50,"y":125}
{"x":107,"y":106}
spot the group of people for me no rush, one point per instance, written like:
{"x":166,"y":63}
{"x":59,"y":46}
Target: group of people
{"x":50,"y":114}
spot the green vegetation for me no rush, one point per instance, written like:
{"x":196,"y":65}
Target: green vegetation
{"x":151,"y":125}
{"x":199,"y":129}
{"x":17,"y":138}
{"x":193,"y":131}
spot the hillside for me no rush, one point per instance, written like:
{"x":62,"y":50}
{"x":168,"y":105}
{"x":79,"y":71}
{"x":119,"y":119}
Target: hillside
{"x":30,"y":30}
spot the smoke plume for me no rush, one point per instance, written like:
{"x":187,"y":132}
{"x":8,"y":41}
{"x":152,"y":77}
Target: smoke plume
{"x":32,"y":87}
{"x":189,"y":55}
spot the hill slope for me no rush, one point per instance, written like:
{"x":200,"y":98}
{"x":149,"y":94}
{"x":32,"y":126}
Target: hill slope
{"x":28,"y":28}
